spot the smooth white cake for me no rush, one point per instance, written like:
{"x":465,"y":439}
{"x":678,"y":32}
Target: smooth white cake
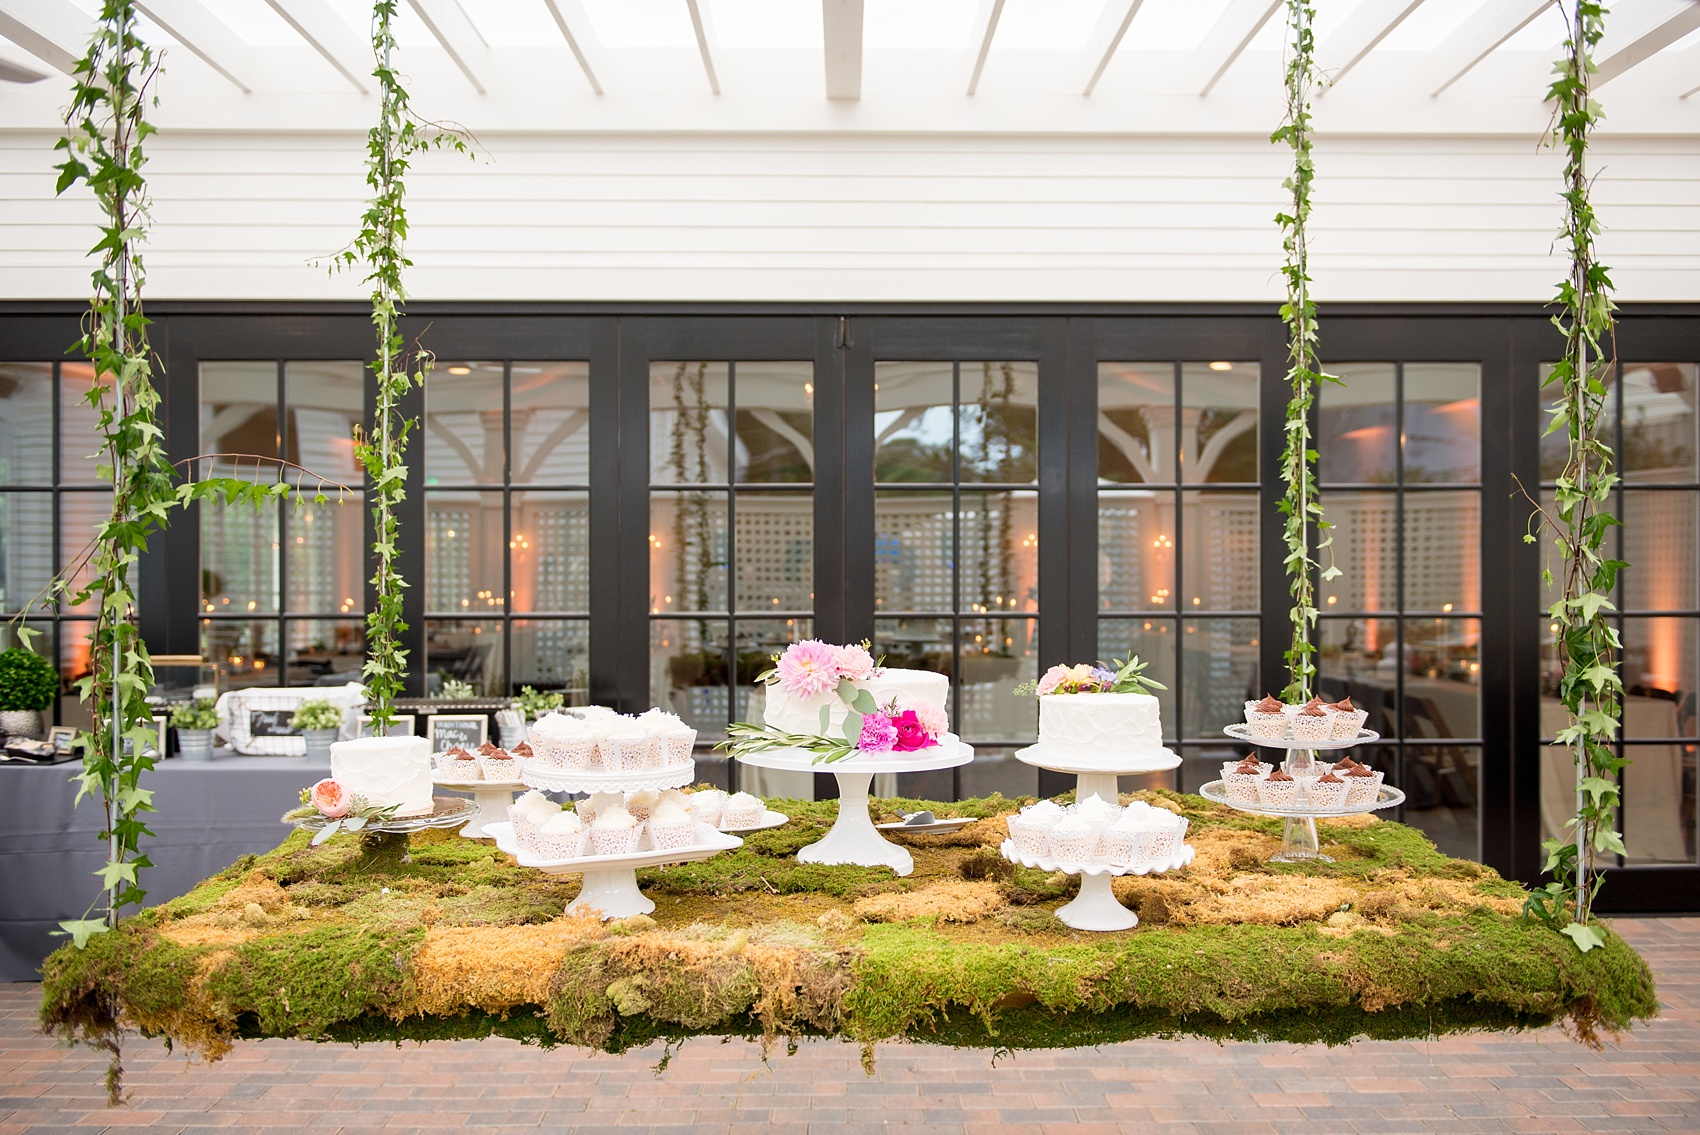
{"x":1100,"y":725}
{"x":909,"y":688}
{"x":386,"y":770}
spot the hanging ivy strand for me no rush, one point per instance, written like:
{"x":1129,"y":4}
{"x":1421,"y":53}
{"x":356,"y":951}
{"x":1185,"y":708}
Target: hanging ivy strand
{"x":378,"y":249}
{"x":1578,"y":520}
{"x":1304,"y":530}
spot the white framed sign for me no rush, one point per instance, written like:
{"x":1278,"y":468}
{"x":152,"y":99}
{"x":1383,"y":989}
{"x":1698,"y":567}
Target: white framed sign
{"x":400,"y":726}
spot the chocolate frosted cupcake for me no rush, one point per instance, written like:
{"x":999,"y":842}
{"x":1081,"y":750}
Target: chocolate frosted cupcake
{"x":521,"y":751}
{"x":1345,"y":719}
{"x":458,"y":764}
{"x":1327,"y":791}
{"x":1267,"y":718}
{"x":1240,"y":785}
{"x":1311,"y":723}
{"x":1278,"y":790}
{"x":1363,"y":785}
{"x":497,"y":763}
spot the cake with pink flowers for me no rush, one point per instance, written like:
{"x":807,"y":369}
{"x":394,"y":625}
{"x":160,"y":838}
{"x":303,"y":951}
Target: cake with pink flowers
{"x":815,"y":687}
{"x":1100,"y":712}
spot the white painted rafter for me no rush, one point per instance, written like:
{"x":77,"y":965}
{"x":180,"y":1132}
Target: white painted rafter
{"x":581,"y":38}
{"x":1230,"y":36}
{"x":985,"y":28}
{"x":708,"y":44}
{"x":460,"y":39}
{"x":1106,"y":37}
{"x":1648,"y":45}
{"x":194,"y":26}
{"x":1369,"y":24}
{"x":841,"y":28}
{"x":325,"y":32}
{"x":1477,"y":38}
{"x":54,"y":31}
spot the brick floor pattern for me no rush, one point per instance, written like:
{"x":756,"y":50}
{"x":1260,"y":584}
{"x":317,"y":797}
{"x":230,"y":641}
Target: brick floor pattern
{"x":1532,"y":1082}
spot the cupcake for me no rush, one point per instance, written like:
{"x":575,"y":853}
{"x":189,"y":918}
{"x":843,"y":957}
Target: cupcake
{"x":671,"y":827}
{"x":564,"y":742}
{"x":524,"y":813}
{"x":498,"y":764}
{"x":673,"y":739}
{"x":624,"y":747}
{"x":1278,"y":790}
{"x":1267,"y":718}
{"x":1166,"y":835}
{"x":1346,"y":719}
{"x":521,"y":752}
{"x":1074,"y":841}
{"x":742,"y":812}
{"x":1328,"y":791}
{"x":707,"y":805}
{"x":1127,"y":841}
{"x":613,"y":832}
{"x":597,"y":803}
{"x":1030,"y":829}
{"x":1240,"y":785}
{"x":642,"y":802}
{"x":1363,"y":785}
{"x":1311,"y":723}
{"x":458,"y":764}
{"x":559,"y":837}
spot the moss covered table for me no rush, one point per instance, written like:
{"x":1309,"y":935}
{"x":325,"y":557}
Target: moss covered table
{"x":1392,"y":939}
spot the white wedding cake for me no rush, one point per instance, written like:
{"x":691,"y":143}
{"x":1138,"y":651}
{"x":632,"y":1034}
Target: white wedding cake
{"x":909,"y":689}
{"x":1107,"y":727}
{"x":386,"y":770}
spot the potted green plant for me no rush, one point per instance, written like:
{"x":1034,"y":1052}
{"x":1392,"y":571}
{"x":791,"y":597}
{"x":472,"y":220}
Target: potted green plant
{"x":454,"y":689}
{"x":532,"y":705}
{"x":194,"y":723}
{"x":319,"y":722}
{"x":28,"y":685}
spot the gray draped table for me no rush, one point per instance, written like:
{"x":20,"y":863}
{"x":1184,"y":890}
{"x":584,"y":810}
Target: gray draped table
{"x":210,"y":814}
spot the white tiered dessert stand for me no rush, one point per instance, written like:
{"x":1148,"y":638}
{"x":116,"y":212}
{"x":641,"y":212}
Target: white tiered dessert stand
{"x":610,"y":881}
{"x":1096,"y":908}
{"x":853,"y":838}
{"x":1299,"y":842}
{"x":490,"y":797}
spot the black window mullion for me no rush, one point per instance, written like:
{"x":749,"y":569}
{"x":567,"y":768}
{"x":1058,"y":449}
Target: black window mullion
{"x":281,"y":531}
{"x":1176,"y":570}
{"x":507,"y":605}
{"x":731,"y":556}
{"x":1399,"y":578}
{"x":956,"y":543}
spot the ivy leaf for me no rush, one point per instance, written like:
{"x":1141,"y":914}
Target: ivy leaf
{"x":80,"y":930}
{"x":1586,"y":937}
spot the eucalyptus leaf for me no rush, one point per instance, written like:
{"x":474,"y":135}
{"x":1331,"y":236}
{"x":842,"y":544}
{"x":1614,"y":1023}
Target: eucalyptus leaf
{"x":853,"y":727}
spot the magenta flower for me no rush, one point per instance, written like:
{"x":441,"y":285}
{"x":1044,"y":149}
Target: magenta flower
{"x":808,"y":669}
{"x":911,"y":735}
{"x":879,"y":735}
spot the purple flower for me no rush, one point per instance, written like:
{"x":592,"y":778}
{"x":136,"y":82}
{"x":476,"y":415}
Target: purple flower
{"x":878,"y":734}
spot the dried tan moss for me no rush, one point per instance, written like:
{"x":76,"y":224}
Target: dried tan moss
{"x":947,"y":901}
{"x":494,"y":968}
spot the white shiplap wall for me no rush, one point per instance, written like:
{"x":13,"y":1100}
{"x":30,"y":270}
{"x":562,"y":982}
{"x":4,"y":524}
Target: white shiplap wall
{"x":871,"y":217}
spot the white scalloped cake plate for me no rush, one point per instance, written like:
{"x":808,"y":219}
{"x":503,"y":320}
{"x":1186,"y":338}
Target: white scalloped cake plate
{"x":464,"y":784}
{"x":769,"y":819}
{"x":709,"y":842}
{"x":1386,"y":796}
{"x":1180,"y":859}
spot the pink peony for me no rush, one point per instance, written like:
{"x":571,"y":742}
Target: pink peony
{"x":933,"y":718}
{"x":879,"y":735}
{"x":1053,"y":678}
{"x":854,"y":662}
{"x":911,"y":734}
{"x":808,"y":669}
{"x":331,"y":799}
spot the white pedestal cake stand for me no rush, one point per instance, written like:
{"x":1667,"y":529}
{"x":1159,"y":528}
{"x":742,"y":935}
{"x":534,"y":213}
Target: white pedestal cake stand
{"x":610,"y":881}
{"x":1096,"y":775}
{"x":1298,"y":836}
{"x":853,"y":838}
{"x":490,"y":797}
{"x":1095,"y":907}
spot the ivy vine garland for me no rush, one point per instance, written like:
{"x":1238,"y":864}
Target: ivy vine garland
{"x":1579,"y":522}
{"x":1299,"y":504}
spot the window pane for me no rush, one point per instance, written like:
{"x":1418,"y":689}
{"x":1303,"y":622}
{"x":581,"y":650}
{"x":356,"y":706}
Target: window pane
{"x":1357,"y":426}
{"x":244,"y":651}
{"x":327,"y":549}
{"x":915,"y":644}
{"x":325,"y":652}
{"x":1365,"y":549}
{"x":239,"y":558}
{"x":324,"y":400}
{"x":1659,"y":803}
{"x":776,"y":551}
{"x":999,"y":432}
{"x":1219,"y":657}
{"x":997,"y":656}
{"x":239,"y":417}
{"x":995,"y":769}
{"x":1219,"y":551}
{"x":553,"y":654}
{"x":1000,"y":552}
{"x":1555,"y":445}
{"x":1662,"y":549}
{"x":1659,"y":421}
{"x":914,"y":438}
{"x":1443,"y":410}
{"x":463,"y":424}
{"x":73,"y":667}
{"x":687,"y":551}
{"x":1442,"y":561}
{"x":687,"y":423}
{"x":466,"y":649}
{"x":26,"y":547}
{"x":688,"y":673}
{"x":1153,"y":641}
{"x":776,"y":421}
{"x":1357,"y":658}
{"x":1442,"y":678}
{"x":1136,"y":422}
{"x":549,"y":547}
{"x":914,"y":550}
{"x":79,"y":426}
{"x":1442,"y":796}
{"x":551,"y":415}
{"x":463,"y":552}
{"x":1218,"y":422}
{"x":26,"y":419}
{"x":1661,"y":675}
{"x":1136,"y":550}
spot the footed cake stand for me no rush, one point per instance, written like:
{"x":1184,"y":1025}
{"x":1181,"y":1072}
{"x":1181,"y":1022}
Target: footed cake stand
{"x":853,"y":838}
{"x":1096,"y":907}
{"x":1299,"y":842}
{"x":610,"y":881}
{"x":491,"y":799}
{"x":387,"y":839}
{"x":1095,"y":775}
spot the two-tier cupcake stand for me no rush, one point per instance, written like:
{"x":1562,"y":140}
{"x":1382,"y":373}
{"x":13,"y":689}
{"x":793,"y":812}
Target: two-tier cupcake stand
{"x":1096,"y":907}
{"x":1299,"y":842}
{"x":853,"y":838}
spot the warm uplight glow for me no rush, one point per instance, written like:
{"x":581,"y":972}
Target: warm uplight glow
{"x":259,"y":663}
{"x":460,"y":370}
{"x":1446,"y":607}
{"x":1221,"y":366}
{"x":1463,"y":405}
{"x":1333,"y":599}
{"x":808,"y":388}
{"x":1365,"y":433}
{"x":1196,"y":600}
{"x":252,"y":604}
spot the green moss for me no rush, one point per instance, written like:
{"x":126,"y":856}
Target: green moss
{"x":745,"y":870}
{"x":302,"y":984}
{"x":149,"y":976}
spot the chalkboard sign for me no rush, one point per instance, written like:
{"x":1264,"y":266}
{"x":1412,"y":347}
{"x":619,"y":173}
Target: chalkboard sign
{"x":448,"y":731}
{"x":272,"y":723}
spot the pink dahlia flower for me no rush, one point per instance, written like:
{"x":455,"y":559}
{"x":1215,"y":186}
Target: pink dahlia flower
{"x":933,"y":718}
{"x":808,"y":669}
{"x":331,"y":799}
{"x":854,"y":662}
{"x":879,"y":735}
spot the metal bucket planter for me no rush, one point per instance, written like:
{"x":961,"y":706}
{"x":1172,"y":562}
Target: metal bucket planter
{"x":195,"y":744}
{"x":319,"y":745}
{"x":20,"y":723}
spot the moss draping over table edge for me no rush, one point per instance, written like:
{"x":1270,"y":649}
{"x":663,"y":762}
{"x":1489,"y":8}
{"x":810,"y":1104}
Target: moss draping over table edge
{"x":630,"y":984}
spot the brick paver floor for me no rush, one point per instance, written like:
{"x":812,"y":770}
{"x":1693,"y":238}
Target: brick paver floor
{"x":1535,"y":1082}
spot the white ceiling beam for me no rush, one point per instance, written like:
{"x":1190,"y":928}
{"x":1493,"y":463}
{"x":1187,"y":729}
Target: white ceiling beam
{"x":1369,"y":24}
{"x":1478,"y":37}
{"x":54,"y":31}
{"x":1231,"y":35}
{"x":841,"y":27}
{"x":707,"y":42}
{"x":581,"y":38}
{"x":208,"y":37}
{"x":325,"y":32}
{"x":1106,"y":36}
{"x":1649,"y":45}
{"x":985,"y":28}
{"x":459,"y":38}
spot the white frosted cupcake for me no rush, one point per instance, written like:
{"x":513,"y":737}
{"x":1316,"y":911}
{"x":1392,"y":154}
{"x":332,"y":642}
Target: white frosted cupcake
{"x":642,"y":802}
{"x":1363,"y":785}
{"x":1030,"y":829}
{"x":561,"y":741}
{"x":707,"y":805}
{"x":559,"y":837}
{"x":1167,"y":832}
{"x":614,"y":832}
{"x":1074,"y":841}
{"x":1126,"y":842}
{"x":1267,"y":718}
{"x":529,"y":811}
{"x":1100,"y":814}
{"x":672,"y":738}
{"x":625,"y":747}
{"x":596,"y":803}
{"x":671,"y":827}
{"x":742,"y":812}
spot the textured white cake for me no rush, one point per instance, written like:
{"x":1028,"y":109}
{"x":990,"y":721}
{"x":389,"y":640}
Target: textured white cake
{"x":1105,"y":726}
{"x":386,"y":770}
{"x":909,"y":688}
